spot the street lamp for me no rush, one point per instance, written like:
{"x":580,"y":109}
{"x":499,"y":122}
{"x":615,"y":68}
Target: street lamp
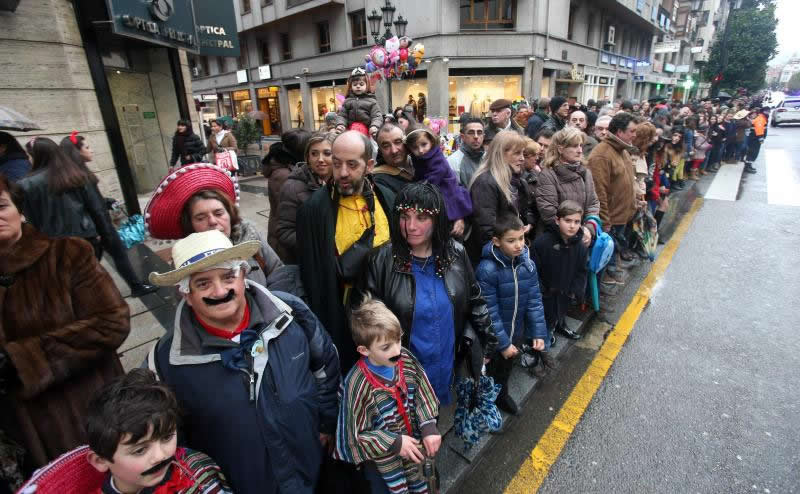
{"x":386,"y":17}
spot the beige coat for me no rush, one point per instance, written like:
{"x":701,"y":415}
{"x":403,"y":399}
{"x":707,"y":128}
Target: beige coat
{"x":612,"y":171}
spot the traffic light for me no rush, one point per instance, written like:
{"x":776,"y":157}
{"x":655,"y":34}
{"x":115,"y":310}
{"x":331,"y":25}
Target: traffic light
{"x":718,"y":77}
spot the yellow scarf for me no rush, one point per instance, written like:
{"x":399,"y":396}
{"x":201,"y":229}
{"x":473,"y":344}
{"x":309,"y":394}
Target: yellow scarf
{"x":353,"y":218}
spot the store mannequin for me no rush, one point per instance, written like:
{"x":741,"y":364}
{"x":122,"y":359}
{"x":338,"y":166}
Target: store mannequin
{"x":475,"y":107}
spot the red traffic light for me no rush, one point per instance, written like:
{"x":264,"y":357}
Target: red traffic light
{"x":718,"y":77}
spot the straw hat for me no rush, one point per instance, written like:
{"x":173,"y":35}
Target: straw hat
{"x":741,"y":114}
{"x":201,"y":252}
{"x":162,"y":217}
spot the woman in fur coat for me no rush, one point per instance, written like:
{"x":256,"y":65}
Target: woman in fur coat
{"x":61,"y":322}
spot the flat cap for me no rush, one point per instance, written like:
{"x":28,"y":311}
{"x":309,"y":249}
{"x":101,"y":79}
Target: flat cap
{"x":499,"y":104}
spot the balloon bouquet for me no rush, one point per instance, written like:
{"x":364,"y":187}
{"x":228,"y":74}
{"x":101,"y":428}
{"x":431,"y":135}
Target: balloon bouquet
{"x":395,"y":60}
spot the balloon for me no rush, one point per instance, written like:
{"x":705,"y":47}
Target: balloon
{"x":359,"y":127}
{"x":403,"y":54}
{"x":340,"y":98}
{"x":426,"y":122}
{"x":392,"y":44}
{"x":371,"y":68}
{"x":412,"y":63}
{"x":418,"y":52}
{"x":405,"y":41}
{"x":435,"y":127}
{"x":378,"y":56}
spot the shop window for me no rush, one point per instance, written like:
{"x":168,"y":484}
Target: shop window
{"x":286,"y":47}
{"x":242,"y":62}
{"x":245,"y":4}
{"x":358,"y":28}
{"x":484,"y":15}
{"x":324,"y":36}
{"x":264,"y":48}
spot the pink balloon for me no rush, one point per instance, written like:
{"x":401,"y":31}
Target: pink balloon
{"x":403,"y":54}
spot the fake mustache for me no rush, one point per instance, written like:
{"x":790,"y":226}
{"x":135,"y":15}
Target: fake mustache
{"x":218,"y":301}
{"x":157,"y":467}
{"x":394,"y":359}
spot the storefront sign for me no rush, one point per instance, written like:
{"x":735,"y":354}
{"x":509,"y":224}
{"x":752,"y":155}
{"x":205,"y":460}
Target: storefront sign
{"x":241,"y":76}
{"x":216,"y":28}
{"x":668,"y":67}
{"x":264,"y":72}
{"x":682,"y":69}
{"x":149,"y":114}
{"x":208,"y":97}
{"x":165,"y":22}
{"x":667,"y":47}
{"x":241,"y":95}
{"x":267,"y":92}
{"x":696,"y":49}
{"x":602,"y":81}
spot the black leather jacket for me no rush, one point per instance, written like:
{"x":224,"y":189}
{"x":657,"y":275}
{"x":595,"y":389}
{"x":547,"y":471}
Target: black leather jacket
{"x":77,"y":212}
{"x":393,"y":283}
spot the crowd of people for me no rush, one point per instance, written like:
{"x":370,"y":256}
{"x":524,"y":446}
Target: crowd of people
{"x":317,"y":360}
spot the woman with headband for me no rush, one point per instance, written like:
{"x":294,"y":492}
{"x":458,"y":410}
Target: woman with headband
{"x":426,"y":279}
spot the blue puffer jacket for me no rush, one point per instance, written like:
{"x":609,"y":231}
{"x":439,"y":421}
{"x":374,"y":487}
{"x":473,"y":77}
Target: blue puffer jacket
{"x":511,"y":290}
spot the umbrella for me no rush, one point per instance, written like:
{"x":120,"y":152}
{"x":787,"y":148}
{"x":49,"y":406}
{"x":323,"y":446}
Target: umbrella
{"x":257,"y":115}
{"x":11,"y":120}
{"x":656,"y":99}
{"x":476,"y":413}
{"x":646,"y":229}
{"x":723,"y":95}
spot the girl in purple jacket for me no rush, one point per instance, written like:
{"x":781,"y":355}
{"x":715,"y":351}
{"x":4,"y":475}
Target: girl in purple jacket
{"x":431,"y":165}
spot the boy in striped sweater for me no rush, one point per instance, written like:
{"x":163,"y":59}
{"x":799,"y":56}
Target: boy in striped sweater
{"x":132,"y":430}
{"x":387,"y":407}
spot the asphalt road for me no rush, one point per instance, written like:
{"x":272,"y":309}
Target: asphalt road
{"x":704,"y":396}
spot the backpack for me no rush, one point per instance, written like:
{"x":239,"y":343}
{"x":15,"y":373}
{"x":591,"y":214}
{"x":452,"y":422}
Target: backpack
{"x":603,"y":247}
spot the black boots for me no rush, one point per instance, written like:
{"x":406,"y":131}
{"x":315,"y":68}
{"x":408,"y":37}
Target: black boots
{"x":501,"y":371}
{"x":748,"y":168}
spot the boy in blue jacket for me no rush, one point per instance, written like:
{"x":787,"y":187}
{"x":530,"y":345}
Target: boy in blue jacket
{"x":510,"y":285}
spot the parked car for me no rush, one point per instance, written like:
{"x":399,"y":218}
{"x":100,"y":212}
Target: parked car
{"x":787,"y":112}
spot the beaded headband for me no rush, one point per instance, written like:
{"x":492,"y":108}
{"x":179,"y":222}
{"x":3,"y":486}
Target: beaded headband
{"x":405,"y":207}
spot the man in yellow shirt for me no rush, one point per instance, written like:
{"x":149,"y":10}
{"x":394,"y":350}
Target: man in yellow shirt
{"x":336,"y":228}
{"x":757,"y":135}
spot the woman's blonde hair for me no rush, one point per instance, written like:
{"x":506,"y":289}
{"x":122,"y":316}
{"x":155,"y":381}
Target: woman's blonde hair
{"x":532,"y":147}
{"x":566,"y":137}
{"x":494,"y":161}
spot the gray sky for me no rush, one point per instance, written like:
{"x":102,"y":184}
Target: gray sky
{"x":788,"y":13}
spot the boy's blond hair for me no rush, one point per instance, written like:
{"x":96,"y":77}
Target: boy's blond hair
{"x":372,"y":321}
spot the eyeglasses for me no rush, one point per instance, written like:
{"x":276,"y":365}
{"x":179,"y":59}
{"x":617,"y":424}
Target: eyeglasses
{"x":474,"y":133}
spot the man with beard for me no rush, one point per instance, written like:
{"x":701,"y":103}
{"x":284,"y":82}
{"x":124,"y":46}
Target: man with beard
{"x":467,"y":159}
{"x":254,"y":372}
{"x":336,"y":228}
{"x":500,"y":120}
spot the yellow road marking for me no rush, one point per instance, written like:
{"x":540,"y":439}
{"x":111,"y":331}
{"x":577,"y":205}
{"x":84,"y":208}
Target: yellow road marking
{"x":534,"y":470}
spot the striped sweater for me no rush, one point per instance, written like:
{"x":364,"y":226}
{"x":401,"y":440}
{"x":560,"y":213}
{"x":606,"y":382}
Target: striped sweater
{"x":370,"y":420}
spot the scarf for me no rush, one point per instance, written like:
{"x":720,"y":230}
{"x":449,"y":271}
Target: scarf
{"x":474,"y":155}
{"x":219,"y":136}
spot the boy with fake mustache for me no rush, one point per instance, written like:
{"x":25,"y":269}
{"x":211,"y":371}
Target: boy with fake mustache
{"x":132,"y":430}
{"x":389,"y":386}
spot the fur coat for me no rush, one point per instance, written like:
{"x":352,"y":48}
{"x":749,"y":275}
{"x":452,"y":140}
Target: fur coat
{"x":62,"y":322}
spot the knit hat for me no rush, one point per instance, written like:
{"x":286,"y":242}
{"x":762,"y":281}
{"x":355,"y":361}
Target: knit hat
{"x":556,"y":102}
{"x":499,"y":104}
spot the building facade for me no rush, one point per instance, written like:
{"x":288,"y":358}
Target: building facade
{"x":66,"y":70}
{"x":297,"y":54}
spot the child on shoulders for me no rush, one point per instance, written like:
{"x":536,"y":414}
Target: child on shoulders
{"x":360,"y":106}
{"x":387,"y":407}
{"x":132,"y":430}
{"x":510,"y":285}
